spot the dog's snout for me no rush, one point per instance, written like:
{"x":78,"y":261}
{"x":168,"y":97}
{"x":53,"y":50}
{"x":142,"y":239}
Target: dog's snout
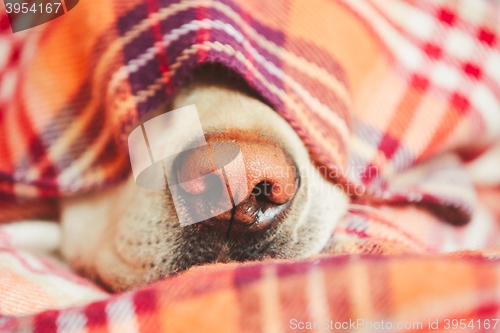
{"x":261,"y":186}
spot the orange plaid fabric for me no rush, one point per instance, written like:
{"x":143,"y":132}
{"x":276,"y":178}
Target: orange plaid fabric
{"x":375,"y":89}
{"x":346,"y":293}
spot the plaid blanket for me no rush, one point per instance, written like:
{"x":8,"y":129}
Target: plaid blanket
{"x":357,"y":294}
{"x":347,"y":293}
{"x":393,"y":97}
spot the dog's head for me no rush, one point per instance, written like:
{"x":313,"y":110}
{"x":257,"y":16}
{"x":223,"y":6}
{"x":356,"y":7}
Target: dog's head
{"x":129,"y":236}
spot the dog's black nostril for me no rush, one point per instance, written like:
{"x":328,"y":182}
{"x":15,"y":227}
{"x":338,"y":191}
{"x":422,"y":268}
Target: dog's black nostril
{"x":258,"y":213}
{"x":262,"y":191}
{"x":260,"y":210}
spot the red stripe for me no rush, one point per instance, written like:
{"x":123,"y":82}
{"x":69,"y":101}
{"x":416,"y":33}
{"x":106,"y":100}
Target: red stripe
{"x":152,"y":6}
{"x":338,"y":289}
{"x":45,"y":322}
{"x":146,"y":309}
{"x":401,"y":120}
{"x":249,"y":74}
{"x":202,"y":34}
{"x":435,"y":52}
{"x":486,"y":36}
{"x":96,"y":315}
{"x":5,"y":156}
{"x":246,"y":286}
{"x":293,"y":304}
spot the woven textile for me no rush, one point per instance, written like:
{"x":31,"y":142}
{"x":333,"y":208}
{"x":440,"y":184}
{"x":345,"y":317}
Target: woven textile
{"x":278,"y":297}
{"x":417,"y":79}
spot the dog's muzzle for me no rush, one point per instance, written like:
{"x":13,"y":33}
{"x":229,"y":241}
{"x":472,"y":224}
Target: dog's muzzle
{"x":261,"y":185}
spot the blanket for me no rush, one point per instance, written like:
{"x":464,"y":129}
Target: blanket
{"x":347,"y":293}
{"x":394,"y":100}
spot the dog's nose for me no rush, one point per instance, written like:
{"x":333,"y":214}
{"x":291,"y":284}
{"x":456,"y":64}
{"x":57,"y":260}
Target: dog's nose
{"x":265,"y":186}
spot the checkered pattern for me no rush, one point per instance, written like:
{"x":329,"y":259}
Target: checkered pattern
{"x":278,"y":296}
{"x":14,"y":56}
{"x":393,"y":95}
{"x":454,"y":57}
{"x":444,"y":97}
{"x":30,"y":283}
{"x":434,"y":69}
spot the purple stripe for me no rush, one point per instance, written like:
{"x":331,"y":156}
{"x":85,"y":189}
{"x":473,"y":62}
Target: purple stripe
{"x":178,"y":19}
{"x":149,"y":73}
{"x":127,"y":21}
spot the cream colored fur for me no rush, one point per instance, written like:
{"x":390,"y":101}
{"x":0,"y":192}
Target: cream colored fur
{"x":128,"y":236}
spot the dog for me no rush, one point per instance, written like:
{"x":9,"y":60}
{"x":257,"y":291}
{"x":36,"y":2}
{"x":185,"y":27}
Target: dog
{"x":128,"y":236}
{"x":331,"y":79}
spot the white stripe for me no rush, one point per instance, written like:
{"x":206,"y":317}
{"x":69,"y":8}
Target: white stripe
{"x":360,"y":291}
{"x":135,"y":64}
{"x":411,"y":56}
{"x":306,"y":67}
{"x":409,"y":17}
{"x":317,"y":303}
{"x":476,"y":11}
{"x":483,"y":99}
{"x":71,"y":321}
{"x":290,"y":103}
{"x":26,"y":326}
{"x":155,"y":18}
{"x":121,"y":316}
{"x":270,"y":301}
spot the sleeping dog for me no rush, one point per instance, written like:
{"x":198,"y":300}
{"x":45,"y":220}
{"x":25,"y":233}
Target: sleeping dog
{"x":129,"y":236}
